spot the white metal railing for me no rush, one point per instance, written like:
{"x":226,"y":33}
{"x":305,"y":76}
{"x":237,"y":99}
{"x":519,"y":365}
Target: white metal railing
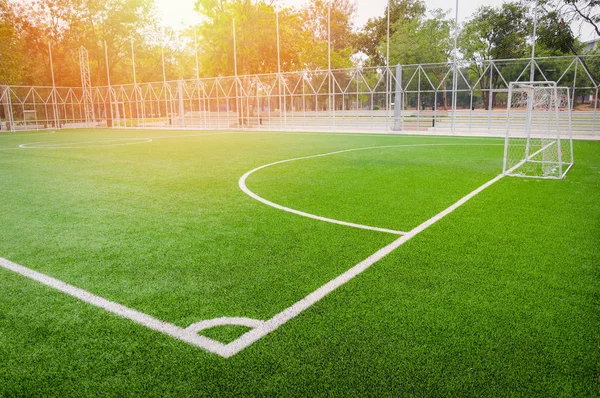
{"x":402,"y":98}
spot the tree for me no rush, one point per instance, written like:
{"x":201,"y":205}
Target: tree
{"x":556,"y":37}
{"x":582,"y":11}
{"x":11,"y":47}
{"x":373,"y":37}
{"x":425,"y":42}
{"x":68,"y":24}
{"x":492,"y":34}
{"x":419,"y":42}
{"x":256,"y":37}
{"x":316,"y":14}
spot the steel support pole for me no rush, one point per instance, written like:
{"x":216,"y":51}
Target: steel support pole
{"x":398,"y":100}
{"x":54,"y":98}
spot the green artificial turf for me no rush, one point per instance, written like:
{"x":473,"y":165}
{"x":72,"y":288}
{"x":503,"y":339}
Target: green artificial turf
{"x":500,"y":298}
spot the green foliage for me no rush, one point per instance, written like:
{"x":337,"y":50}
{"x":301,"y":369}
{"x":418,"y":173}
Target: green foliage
{"x":492,"y":34}
{"x":303,"y":36}
{"x":256,"y":38}
{"x":372,"y":39}
{"x":340,"y":34}
{"x":555,"y":37}
{"x":11,"y":47}
{"x":583,"y":12}
{"x":68,"y":24}
{"x":415,"y":37}
{"x":496,"y":33}
{"x":422,"y":41}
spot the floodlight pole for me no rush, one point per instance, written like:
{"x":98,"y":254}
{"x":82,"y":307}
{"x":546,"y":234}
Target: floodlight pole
{"x":54,"y":105}
{"x":279,"y":68}
{"x":329,"y":37}
{"x":51,"y":64}
{"x":329,"y":61}
{"x":162,"y":56}
{"x":387,"y":69}
{"x":110,"y":105}
{"x":278,"y":44}
{"x":234,"y":49}
{"x":168,"y":95}
{"x":533,"y":39}
{"x":133,"y":64}
{"x":530,"y":95}
{"x":198,"y":76}
{"x":135,"y":86}
{"x":106,"y":63}
{"x":196,"y":54}
{"x":455,"y":74}
{"x":387,"y":59}
{"x":235,"y":72}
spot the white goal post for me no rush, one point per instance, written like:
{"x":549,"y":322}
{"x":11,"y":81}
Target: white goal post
{"x":538,"y":141}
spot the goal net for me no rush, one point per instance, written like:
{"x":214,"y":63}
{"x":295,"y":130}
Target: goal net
{"x":538,"y":134}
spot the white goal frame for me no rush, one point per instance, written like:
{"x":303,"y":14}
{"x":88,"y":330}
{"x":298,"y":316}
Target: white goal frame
{"x":538,"y":141}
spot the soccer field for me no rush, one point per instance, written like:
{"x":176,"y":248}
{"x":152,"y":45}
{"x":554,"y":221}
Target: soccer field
{"x":338,"y":264}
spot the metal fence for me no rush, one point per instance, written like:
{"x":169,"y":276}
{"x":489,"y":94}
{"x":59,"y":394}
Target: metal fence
{"x":466,"y":98}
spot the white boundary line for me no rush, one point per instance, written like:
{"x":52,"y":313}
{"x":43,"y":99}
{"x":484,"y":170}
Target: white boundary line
{"x":308,"y":301}
{"x":80,"y":144}
{"x":260,"y":328}
{"x":118,"y":309}
{"x":22,"y":134}
{"x":54,"y":145}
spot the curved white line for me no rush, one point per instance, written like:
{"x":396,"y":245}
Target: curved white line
{"x":247,"y":191}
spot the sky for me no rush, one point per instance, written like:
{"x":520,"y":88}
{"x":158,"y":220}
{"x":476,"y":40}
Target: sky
{"x":177,"y":13}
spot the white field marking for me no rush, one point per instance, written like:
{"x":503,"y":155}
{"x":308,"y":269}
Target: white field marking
{"x":174,"y":331}
{"x":260,"y":328}
{"x":22,"y":134}
{"x":110,"y":143}
{"x":81,"y":144}
{"x":510,"y":171}
{"x":71,"y":144}
{"x":293,"y":311}
{"x":247,"y":191}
